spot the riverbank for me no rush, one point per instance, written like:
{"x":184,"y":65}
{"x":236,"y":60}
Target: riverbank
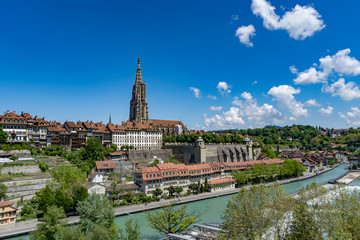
{"x":349,"y":177}
{"x":23,"y":228}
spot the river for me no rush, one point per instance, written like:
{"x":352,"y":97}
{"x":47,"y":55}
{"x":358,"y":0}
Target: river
{"x":212,"y":208}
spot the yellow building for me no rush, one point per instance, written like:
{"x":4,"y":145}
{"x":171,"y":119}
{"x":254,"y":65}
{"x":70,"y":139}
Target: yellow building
{"x":7,"y":213}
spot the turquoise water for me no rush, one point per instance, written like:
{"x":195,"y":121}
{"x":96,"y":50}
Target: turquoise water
{"x":212,"y":208}
{"x":355,"y":183}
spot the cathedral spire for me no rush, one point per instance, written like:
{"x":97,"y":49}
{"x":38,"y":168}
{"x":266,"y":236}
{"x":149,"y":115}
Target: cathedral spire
{"x":138,"y":104}
{"x":138,"y":78}
{"x":110,"y":119}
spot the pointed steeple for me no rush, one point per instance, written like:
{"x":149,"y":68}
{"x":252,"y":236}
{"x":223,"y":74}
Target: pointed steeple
{"x":138,"y":78}
{"x":110,"y":119}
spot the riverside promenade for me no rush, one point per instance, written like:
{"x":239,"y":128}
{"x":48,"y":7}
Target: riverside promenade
{"x":26,"y":227}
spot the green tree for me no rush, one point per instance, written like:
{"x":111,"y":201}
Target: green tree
{"x":45,"y":197}
{"x":304,"y":226}
{"x":132,"y":230}
{"x":157,"y":192}
{"x":178,"y":191}
{"x":62,"y":199}
{"x":206,"y":185}
{"x":170,"y":219}
{"x":68,"y":177}
{"x":245,"y":216}
{"x":3,"y":136}
{"x":171,"y":190}
{"x":51,"y":226}
{"x":3,"y":190}
{"x":95,"y":210}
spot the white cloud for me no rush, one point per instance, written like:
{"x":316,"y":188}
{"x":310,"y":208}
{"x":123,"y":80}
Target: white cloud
{"x":293,"y":69}
{"x":346,"y":91}
{"x":340,"y":63}
{"x":312,"y":103}
{"x":309,"y":76}
{"x":244,"y":33}
{"x":326,"y":111}
{"x":228,"y":119}
{"x":255,"y":82}
{"x":284,"y":94}
{"x":301,"y":22}
{"x":352,"y":117}
{"x":196,"y":92}
{"x":223,"y":88}
{"x":214,"y":108}
{"x":211,"y":97}
{"x":255,"y":114}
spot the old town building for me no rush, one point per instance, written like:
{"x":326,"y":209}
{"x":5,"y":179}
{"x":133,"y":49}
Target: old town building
{"x":168,"y":127}
{"x":141,"y":136}
{"x":15,"y":126}
{"x":36,"y":129}
{"x":217,"y":174}
{"x":7,"y":213}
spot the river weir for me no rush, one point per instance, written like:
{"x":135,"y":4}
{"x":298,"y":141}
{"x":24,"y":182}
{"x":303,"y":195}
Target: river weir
{"x":213,"y":208}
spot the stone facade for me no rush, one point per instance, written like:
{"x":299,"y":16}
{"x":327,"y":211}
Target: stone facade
{"x":138,"y":104}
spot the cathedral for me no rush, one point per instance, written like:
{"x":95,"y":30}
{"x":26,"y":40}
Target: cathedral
{"x":138,"y":105}
{"x":139,"y":111}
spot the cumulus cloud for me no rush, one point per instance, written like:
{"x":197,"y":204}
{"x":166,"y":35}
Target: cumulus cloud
{"x":228,"y":119}
{"x":352,"y":117}
{"x":340,"y":63}
{"x":223,"y":88}
{"x":346,"y":91}
{"x":214,"y":108}
{"x":312,"y":103}
{"x":259,"y":115}
{"x":211,"y":97}
{"x":284,"y":94}
{"x":244,"y":33}
{"x":326,"y":111}
{"x":310,"y":76}
{"x":301,"y":22}
{"x":196,"y":92}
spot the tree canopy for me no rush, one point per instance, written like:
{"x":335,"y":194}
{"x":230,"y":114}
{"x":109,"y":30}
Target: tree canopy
{"x":171,"y":219}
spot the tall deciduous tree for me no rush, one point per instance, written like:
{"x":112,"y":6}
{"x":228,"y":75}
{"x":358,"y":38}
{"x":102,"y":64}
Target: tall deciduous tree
{"x":51,"y":226}
{"x":3,"y":136}
{"x":171,"y":219}
{"x":95,"y":210}
{"x":3,"y":190}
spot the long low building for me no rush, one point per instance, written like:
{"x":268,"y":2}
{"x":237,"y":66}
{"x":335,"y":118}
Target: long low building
{"x":169,"y":174}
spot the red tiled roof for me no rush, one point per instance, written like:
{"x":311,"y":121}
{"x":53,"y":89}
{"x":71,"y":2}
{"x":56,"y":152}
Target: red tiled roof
{"x":165,"y":123}
{"x":105,"y":164}
{"x":6,"y":203}
{"x":117,"y":153}
{"x":220,"y":181}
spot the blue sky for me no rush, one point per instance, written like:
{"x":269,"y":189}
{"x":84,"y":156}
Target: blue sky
{"x":262,"y":60}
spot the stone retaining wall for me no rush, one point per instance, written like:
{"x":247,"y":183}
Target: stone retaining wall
{"x":21,"y":169}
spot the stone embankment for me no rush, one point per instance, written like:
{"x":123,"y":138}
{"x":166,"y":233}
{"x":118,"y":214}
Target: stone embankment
{"x":349,"y":177}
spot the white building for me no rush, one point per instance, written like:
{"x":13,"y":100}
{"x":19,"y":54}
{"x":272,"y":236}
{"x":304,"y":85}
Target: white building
{"x":15,"y":126}
{"x":141,"y":136}
{"x":217,"y":174}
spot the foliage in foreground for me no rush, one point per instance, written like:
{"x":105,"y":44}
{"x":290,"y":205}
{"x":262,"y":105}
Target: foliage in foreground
{"x":171,"y":219}
{"x":270,"y":213}
{"x":97,"y":222}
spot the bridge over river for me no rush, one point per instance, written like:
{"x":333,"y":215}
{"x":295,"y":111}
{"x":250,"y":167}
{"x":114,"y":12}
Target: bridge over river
{"x":212,"y":208}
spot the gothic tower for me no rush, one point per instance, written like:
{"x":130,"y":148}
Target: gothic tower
{"x":138,"y":105}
